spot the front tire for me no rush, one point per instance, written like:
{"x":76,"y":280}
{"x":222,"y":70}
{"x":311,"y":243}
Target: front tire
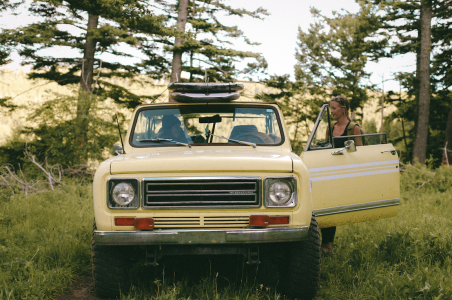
{"x":110,"y":266}
{"x":303,"y":276}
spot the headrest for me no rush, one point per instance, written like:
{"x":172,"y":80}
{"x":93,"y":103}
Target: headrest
{"x":169,"y":121}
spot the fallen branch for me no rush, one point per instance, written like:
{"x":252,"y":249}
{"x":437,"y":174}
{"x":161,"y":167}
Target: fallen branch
{"x":12,"y":176}
{"x":424,"y":183}
{"x":49,"y":175}
{"x":78,"y":171}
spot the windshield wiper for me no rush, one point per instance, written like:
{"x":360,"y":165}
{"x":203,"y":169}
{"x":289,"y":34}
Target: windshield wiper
{"x":235,"y":141}
{"x":158,"y":140}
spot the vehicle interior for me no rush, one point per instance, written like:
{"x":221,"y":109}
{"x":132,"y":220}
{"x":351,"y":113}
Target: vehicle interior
{"x":206,"y":125}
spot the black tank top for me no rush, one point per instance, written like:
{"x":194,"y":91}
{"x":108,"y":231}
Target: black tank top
{"x":339,"y":143}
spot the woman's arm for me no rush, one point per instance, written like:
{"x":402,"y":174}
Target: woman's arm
{"x":358,"y":140}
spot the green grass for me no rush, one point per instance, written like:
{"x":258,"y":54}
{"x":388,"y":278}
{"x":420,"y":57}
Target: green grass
{"x":406,"y":257}
{"x":45,"y":242}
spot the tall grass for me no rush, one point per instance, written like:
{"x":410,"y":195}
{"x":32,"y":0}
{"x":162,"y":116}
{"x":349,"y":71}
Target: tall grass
{"x":45,"y":241}
{"x":406,"y":257}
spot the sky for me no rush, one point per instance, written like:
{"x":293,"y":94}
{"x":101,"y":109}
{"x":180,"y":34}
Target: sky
{"x":277,"y":34}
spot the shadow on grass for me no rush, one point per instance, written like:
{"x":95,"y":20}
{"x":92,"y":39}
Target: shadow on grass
{"x":201,"y":277}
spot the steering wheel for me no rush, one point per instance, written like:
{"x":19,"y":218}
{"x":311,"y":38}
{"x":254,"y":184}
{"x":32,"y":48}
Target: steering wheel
{"x":253,"y":136}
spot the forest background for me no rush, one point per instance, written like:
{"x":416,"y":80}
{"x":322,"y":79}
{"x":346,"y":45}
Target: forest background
{"x":60,"y":118}
{"x":82,"y":89}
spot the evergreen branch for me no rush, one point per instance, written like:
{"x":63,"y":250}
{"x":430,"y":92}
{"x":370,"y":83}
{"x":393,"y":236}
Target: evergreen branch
{"x":209,"y":63}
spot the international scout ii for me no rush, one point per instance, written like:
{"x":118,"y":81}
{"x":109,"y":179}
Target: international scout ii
{"x":208,"y":174}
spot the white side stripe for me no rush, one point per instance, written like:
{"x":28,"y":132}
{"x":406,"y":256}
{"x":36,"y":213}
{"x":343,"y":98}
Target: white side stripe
{"x":356,"y":174}
{"x":378,"y":163}
{"x":354,"y":170}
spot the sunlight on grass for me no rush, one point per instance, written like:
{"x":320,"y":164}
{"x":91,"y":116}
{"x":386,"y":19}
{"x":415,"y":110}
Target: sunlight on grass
{"x":45,"y":242}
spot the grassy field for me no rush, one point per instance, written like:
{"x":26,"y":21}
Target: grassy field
{"x":45,"y":242}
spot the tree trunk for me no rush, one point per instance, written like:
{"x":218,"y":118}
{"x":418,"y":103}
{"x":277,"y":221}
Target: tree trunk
{"x":88,"y":57}
{"x":420,"y":145}
{"x":86,"y":81}
{"x":177,"y":55}
{"x":416,"y":80}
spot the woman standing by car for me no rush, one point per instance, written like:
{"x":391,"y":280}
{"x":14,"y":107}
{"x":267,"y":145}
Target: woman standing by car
{"x":340,"y":111}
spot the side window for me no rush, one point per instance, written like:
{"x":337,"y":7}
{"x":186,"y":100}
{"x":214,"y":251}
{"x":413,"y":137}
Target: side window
{"x":321,"y":134}
{"x":363,"y":139}
{"x":374,"y":139}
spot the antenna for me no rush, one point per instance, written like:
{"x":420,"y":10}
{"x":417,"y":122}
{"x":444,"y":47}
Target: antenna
{"x":117,"y":121}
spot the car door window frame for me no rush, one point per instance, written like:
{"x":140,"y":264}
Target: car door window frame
{"x":325,"y":109}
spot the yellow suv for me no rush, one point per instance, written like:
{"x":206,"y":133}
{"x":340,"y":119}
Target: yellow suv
{"x":209,"y":174}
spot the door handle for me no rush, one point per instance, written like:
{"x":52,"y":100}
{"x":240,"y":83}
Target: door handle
{"x":338,"y":152}
{"x":393,"y":152}
{"x":349,"y":146}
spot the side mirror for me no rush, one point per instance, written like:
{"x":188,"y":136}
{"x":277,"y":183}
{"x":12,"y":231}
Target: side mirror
{"x":117,"y":149}
{"x":350,"y":146}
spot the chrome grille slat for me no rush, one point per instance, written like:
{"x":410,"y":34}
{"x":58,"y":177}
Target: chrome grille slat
{"x":191,"y":191}
{"x":173,"y":192}
{"x":198,"y":194}
{"x":206,"y":202}
{"x":196,"y":182}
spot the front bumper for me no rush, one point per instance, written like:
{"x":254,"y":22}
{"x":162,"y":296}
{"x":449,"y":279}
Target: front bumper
{"x":202,"y":237}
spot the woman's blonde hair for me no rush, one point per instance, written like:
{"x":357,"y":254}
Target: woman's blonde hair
{"x":343,"y":102}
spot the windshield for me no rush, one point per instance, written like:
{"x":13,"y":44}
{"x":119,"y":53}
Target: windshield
{"x":206,"y":125}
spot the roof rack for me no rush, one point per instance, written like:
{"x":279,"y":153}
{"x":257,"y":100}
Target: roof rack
{"x":205,"y":92}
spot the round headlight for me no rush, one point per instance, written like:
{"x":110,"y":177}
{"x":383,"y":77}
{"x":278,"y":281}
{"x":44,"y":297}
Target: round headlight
{"x":279,"y":192}
{"x":123,"y":193}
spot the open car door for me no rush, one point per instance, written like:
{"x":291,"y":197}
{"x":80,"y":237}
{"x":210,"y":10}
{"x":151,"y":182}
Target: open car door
{"x":352,"y":184}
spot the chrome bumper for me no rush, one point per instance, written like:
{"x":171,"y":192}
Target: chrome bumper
{"x":201,"y":237}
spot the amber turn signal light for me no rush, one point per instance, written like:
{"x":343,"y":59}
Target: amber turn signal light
{"x":264,"y":220}
{"x":259,"y":220}
{"x":124,"y":221}
{"x":144,"y":223}
{"x":279,"y":220}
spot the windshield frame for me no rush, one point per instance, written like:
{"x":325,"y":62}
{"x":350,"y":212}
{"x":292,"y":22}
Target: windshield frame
{"x":237,"y":105}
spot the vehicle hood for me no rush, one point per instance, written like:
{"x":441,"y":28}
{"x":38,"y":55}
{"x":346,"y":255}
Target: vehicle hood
{"x":196,"y":160}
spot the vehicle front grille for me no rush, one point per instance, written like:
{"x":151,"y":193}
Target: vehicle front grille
{"x":201,"y":222}
{"x":241,"y":221}
{"x":176,"y":222}
{"x":201,"y":192}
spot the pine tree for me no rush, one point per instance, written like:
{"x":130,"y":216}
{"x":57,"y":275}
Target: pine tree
{"x":333,"y":54}
{"x":104,"y":26}
{"x":5,"y":42}
{"x":209,"y":42}
{"x":442,"y":71}
{"x":410,"y":29}
{"x":299,"y":111}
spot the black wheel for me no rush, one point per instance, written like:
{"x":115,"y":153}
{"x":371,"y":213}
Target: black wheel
{"x":110,"y":266}
{"x":303,"y":273}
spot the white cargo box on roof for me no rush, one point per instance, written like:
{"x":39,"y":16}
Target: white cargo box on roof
{"x":205,"y":92}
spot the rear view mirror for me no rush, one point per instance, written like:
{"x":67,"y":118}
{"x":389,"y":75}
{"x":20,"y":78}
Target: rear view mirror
{"x":213,"y":119}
